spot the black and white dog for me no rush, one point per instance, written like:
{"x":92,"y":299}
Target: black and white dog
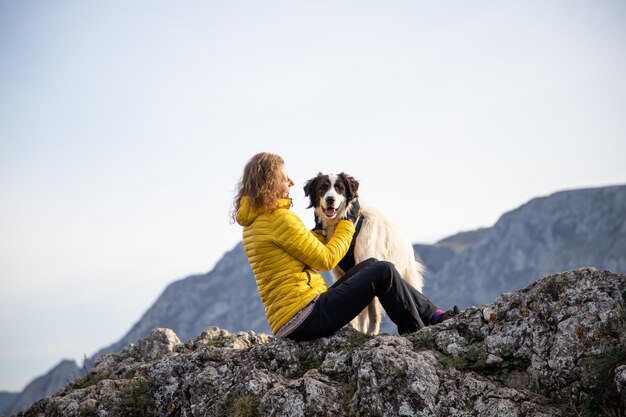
{"x":376,"y":237}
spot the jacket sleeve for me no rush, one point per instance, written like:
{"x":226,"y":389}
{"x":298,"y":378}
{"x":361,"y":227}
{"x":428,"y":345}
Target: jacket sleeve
{"x":297,"y":241}
{"x":319,"y":236}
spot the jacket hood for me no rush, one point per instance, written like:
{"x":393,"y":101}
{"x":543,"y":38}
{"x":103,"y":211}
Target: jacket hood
{"x":247,"y":214}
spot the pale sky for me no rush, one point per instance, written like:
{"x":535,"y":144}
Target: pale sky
{"x":124,"y":127}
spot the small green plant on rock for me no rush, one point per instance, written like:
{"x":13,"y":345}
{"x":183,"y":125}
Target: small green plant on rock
{"x":605,"y":397}
{"x":474,"y":359}
{"x":307,"y":362}
{"x":221,"y":341}
{"x":246,"y":406}
{"x":91,"y":379}
{"x":422,"y":341}
{"x":136,"y":401}
{"x":89,"y":411}
{"x":356,"y":340}
{"x":348,"y":388}
{"x":511,"y":364}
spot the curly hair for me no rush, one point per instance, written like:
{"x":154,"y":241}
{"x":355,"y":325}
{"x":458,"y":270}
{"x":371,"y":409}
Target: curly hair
{"x":260,"y":183}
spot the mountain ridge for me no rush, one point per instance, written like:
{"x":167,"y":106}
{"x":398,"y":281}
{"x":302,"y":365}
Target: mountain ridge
{"x":564,"y":230}
{"x":189,"y":304}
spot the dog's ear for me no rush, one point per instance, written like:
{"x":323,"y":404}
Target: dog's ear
{"x":352,"y":184}
{"x":309,"y":190}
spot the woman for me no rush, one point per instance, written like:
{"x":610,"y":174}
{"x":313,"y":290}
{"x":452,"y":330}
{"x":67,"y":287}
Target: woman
{"x":285,"y":256}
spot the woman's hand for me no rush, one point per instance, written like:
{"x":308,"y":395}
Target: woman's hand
{"x":354,"y":212}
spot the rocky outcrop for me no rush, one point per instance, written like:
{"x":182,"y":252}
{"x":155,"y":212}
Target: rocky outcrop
{"x":555,"y":348}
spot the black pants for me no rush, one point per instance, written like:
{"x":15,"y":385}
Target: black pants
{"x":408,"y":308}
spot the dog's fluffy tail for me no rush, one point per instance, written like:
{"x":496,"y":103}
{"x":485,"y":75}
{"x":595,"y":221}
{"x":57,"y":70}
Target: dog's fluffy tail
{"x":415,"y":275}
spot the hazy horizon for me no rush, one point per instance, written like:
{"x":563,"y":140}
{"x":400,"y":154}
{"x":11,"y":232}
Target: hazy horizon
{"x":125,"y":126}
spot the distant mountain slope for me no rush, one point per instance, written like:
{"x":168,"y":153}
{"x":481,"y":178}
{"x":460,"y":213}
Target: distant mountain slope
{"x":7,"y":399}
{"x":434,"y":257}
{"x":226,"y":297}
{"x":45,"y":385}
{"x":565,"y":230}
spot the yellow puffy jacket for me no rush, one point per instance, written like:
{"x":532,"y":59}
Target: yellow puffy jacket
{"x":284,"y":255}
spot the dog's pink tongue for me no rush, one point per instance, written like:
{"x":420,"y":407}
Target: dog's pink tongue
{"x":330,"y":212}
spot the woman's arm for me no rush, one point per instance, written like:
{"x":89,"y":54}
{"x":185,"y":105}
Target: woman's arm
{"x":294,"y":238}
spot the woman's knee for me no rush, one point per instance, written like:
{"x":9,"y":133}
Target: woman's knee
{"x":369,"y":262}
{"x":385,"y":266}
{"x":386,"y":272}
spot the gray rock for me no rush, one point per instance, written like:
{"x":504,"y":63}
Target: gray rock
{"x":620,"y":383}
{"x":528,"y":353}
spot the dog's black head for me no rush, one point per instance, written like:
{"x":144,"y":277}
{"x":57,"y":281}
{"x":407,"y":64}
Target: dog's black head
{"x":331,"y":194}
